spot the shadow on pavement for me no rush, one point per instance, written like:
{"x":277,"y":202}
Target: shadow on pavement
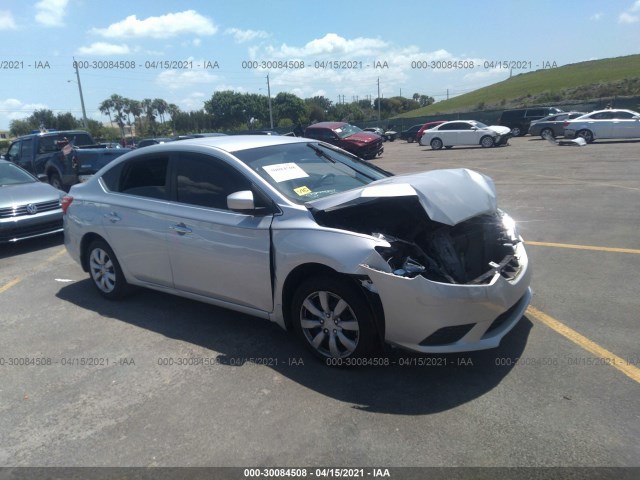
{"x":409,"y":385}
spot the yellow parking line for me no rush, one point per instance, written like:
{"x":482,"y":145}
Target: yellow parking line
{"x":615,"y":361}
{"x":10,"y":284}
{"x":17,"y":280}
{"x":584,"y":247}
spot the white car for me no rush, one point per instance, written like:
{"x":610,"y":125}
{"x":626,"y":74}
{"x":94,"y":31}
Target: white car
{"x":610,"y":123}
{"x":465,"y":132}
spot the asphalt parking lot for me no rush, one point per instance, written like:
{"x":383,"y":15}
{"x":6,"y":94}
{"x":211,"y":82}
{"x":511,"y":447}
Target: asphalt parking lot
{"x":157,"y":380}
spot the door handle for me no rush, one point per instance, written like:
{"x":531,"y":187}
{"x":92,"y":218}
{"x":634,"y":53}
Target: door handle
{"x":113,"y":217}
{"x":180,"y":229}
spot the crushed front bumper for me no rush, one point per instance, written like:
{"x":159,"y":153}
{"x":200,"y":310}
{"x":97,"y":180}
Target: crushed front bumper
{"x":433,"y":317}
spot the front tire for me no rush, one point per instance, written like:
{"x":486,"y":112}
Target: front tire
{"x":436,"y":144}
{"x":586,"y":134}
{"x":105,"y":271}
{"x":516,"y":131}
{"x":487,"y":142}
{"x":333,"y":319}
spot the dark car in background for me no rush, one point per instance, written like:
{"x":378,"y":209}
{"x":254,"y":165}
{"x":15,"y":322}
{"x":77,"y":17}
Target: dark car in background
{"x":61,"y":158}
{"x":29,"y":208}
{"x":410,"y":133}
{"x":365,"y":145}
{"x":519,"y":119}
{"x":552,"y":126}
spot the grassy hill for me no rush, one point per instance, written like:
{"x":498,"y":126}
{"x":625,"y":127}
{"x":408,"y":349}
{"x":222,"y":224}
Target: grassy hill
{"x":609,"y":77}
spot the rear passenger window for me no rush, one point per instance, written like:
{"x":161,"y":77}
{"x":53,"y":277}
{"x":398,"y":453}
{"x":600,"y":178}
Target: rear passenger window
{"x":145,"y":177}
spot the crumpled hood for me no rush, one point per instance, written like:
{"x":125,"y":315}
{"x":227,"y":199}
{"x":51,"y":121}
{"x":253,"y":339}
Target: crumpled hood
{"x":499,"y":129}
{"x":448,"y":196}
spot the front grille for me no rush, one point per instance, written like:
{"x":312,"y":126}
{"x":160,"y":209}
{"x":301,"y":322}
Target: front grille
{"x":21,"y":210}
{"x":11,"y":234}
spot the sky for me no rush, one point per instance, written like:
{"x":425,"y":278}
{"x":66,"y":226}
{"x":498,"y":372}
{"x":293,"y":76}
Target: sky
{"x":184,"y":51}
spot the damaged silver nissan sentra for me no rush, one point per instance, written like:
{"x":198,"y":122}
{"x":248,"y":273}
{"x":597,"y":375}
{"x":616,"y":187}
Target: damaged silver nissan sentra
{"x":299,"y":232}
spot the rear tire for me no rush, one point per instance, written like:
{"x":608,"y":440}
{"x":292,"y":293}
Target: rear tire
{"x":105,"y":271}
{"x":516,"y":131}
{"x":547,"y":132}
{"x":55,"y":181}
{"x":586,"y":134}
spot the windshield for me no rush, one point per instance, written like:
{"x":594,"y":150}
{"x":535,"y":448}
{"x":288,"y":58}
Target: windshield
{"x":12,"y":175}
{"x":347,"y":130}
{"x":308,"y":171}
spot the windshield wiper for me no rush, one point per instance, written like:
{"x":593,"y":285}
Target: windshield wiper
{"x":322,"y":154}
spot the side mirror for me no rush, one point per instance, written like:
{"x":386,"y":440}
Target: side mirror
{"x":241,"y":201}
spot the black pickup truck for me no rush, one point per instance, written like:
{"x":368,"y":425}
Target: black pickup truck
{"x":62,"y":158}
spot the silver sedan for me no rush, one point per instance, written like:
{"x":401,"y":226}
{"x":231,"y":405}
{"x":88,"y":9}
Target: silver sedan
{"x":28,"y":207}
{"x":306,"y":235}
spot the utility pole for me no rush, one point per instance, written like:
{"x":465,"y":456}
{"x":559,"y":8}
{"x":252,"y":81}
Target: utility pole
{"x":270,"y":111}
{"x":84,"y":112}
{"x":378,"y":100}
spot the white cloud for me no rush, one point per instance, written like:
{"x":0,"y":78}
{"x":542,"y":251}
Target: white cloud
{"x":175,"y":79}
{"x":51,"y":13}
{"x":194,"y":102}
{"x":102,"y":48}
{"x":164,"y":26}
{"x":241,"y":36}
{"x":331,"y":44}
{"x":596,"y":16}
{"x":14,"y":109}
{"x":7,"y":21}
{"x":629,"y":16}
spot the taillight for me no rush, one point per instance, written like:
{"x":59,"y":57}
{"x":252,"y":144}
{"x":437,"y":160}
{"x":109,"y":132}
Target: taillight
{"x":65,"y":202}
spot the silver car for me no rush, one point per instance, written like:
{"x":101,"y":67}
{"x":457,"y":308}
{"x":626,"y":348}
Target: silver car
{"x":306,"y":235}
{"x":28,"y":207}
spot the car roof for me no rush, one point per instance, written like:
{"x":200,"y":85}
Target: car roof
{"x":234,"y":143}
{"x":328,"y":125}
{"x":52,"y":133}
{"x":613,"y":110}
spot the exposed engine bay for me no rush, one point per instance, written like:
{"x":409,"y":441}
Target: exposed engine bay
{"x":470,"y":252}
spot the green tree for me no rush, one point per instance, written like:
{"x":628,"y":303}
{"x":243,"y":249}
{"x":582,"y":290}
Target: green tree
{"x":20,"y":127}
{"x":288,"y":105}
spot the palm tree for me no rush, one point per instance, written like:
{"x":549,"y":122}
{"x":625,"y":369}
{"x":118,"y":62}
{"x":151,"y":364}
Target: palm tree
{"x":173,"y":110}
{"x":105,"y":108}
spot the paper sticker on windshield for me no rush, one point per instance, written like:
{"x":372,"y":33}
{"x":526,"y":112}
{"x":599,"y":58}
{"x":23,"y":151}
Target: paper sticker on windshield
{"x":282,"y":172}
{"x":302,"y":191}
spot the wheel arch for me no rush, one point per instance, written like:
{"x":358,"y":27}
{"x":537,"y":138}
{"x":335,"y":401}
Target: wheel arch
{"x":87,"y":240}
{"x":304,"y":271}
